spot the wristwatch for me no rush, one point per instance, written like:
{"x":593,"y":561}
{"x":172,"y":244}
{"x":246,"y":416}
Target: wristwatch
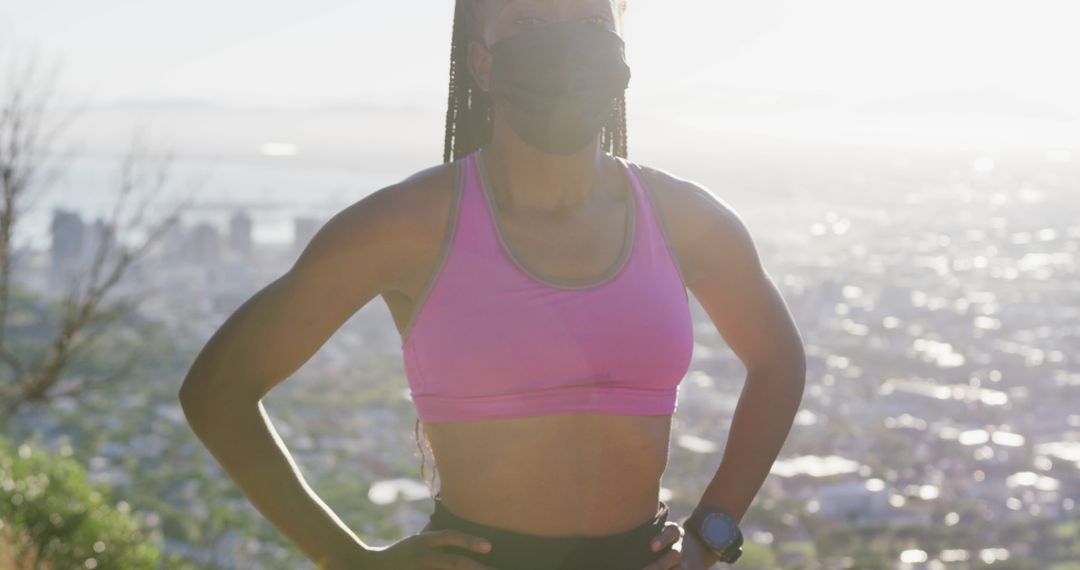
{"x":718,"y":530}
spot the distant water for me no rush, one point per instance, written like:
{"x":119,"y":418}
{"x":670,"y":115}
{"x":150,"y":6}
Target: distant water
{"x":275,"y":189}
{"x":273,"y":192}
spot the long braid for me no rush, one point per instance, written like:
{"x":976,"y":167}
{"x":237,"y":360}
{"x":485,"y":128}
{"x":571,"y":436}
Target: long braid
{"x":469,"y":117}
{"x":435,"y":468}
{"x":613,"y":139}
{"x":619,"y":146}
{"x":468,"y":108}
{"x":451,"y":99}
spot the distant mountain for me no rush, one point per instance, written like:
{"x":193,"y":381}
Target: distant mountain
{"x":162,"y":104}
{"x":736,"y":99}
{"x":985,"y":101}
{"x":198,"y":104}
{"x":961,"y":102}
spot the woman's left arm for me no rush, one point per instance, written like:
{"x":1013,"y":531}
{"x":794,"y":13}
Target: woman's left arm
{"x":721,"y":266}
{"x":726,"y":275}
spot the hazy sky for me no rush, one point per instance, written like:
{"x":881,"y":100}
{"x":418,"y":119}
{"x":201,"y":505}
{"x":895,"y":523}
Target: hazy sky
{"x":270,"y":52}
{"x":711,"y":79}
{"x":704,"y":71}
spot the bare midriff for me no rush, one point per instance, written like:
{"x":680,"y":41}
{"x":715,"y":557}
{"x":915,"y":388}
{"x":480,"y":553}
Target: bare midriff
{"x":579,"y":474}
{"x":553,"y":475}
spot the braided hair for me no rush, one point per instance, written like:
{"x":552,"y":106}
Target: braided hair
{"x":468,"y":108}
{"x":469,"y":122}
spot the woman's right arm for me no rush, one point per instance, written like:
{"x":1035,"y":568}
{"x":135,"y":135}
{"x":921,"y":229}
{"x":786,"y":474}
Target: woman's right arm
{"x":355,"y":256}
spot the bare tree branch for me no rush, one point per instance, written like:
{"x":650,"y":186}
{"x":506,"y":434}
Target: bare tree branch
{"x":11,"y":361}
{"x":91,"y":305}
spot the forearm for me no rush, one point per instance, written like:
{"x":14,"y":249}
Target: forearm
{"x":762,"y":421}
{"x":243,"y":440}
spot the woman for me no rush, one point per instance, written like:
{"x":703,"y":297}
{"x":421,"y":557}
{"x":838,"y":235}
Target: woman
{"x":539,"y":283}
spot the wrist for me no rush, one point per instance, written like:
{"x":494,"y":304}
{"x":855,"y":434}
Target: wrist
{"x":717,"y":531}
{"x":709,"y":557}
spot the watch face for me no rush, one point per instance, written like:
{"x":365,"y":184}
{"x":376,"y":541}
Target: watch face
{"x":718,"y":530}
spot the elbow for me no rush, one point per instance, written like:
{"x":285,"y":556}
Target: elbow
{"x":790,"y":369}
{"x":201,"y":402}
{"x":184,"y":394}
{"x":205,"y":400}
{"x":785,"y":379}
{"x":799,"y":369}
{"x":192,"y":392}
{"x":193,"y":386}
{"x":192,"y":400}
{"x":797,"y":373}
{"x":794,"y":367}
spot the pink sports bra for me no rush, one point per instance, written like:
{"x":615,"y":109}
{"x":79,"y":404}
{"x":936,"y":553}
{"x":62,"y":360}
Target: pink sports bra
{"x":491,"y":339}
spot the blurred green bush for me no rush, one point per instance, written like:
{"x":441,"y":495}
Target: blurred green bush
{"x":52,"y":518}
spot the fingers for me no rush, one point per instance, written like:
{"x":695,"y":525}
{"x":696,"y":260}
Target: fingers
{"x":671,"y":560}
{"x":670,"y":537}
{"x":450,"y":537}
{"x":670,"y":534}
{"x":446,"y":561}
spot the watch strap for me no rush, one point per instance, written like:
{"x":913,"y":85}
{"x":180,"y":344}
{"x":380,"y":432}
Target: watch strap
{"x":693,"y":523}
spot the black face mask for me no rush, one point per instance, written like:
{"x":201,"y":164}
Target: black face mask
{"x":558,"y":83}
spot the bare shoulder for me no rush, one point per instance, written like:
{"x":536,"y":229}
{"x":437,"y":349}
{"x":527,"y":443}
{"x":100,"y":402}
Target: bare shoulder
{"x":705,"y":230}
{"x":398,"y":225}
{"x":365,"y":250}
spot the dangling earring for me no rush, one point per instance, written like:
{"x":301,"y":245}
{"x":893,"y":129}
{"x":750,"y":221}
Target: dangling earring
{"x":489,"y":122}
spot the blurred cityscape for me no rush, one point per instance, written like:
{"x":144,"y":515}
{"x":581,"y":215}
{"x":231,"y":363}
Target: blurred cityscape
{"x":937,"y":294}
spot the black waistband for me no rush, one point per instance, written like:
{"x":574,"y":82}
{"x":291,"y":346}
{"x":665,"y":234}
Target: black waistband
{"x":512,"y":549}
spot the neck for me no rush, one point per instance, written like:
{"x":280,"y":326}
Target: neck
{"x":524,"y":178}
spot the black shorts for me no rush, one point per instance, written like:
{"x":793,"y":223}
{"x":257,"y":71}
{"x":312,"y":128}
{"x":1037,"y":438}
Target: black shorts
{"x":630,"y":550}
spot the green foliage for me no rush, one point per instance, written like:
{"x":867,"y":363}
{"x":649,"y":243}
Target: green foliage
{"x":1066,"y":544}
{"x":757,"y":556}
{"x":45,"y":498}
